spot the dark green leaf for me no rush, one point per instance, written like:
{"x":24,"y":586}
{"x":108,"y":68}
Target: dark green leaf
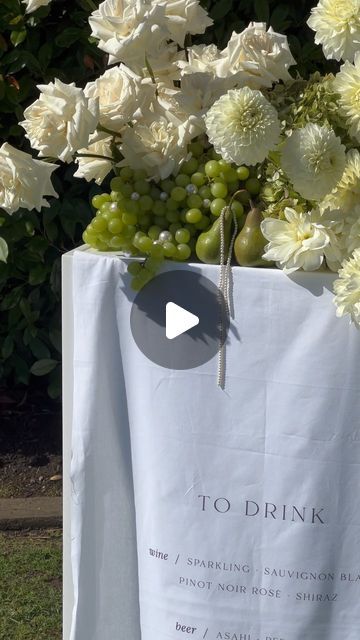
{"x":7,"y":347}
{"x":221,"y":9}
{"x":43,"y":367}
{"x":39,"y":349}
{"x":68,"y":37}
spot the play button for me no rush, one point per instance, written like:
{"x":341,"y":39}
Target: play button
{"x":178,"y":319}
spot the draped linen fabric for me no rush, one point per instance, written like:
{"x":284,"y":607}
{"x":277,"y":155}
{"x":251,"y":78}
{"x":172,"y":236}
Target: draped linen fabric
{"x":206,"y":513}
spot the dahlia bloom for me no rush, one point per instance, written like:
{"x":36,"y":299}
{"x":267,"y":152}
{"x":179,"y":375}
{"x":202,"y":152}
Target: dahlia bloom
{"x":347,"y":289}
{"x":337,"y":28}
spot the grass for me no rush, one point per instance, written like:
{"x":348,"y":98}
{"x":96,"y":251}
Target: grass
{"x":30,"y":585}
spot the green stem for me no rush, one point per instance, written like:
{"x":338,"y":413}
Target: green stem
{"x":115,"y":134}
{"x":94,"y":155}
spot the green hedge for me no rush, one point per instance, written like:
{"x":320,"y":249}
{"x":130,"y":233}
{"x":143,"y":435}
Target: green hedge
{"x":55,"y":42}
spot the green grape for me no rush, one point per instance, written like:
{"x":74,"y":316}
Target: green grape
{"x":212,"y":168}
{"x":154,"y":232}
{"x":117,"y":242}
{"x":153,"y":264}
{"x":217,"y":206}
{"x":106,"y":206}
{"x":131,"y":206}
{"x":160,"y":222}
{"x":193,"y":216}
{"x":183,"y":251}
{"x":196,"y":148}
{"x":116,"y":184}
{"x":159,"y":208}
{"x":183,"y":216}
{"x":191,"y":229}
{"x":201,"y":168}
{"x":194,"y":201}
{"x":157,"y":250}
{"x":172,"y":216}
{"x":155,"y":193}
{"x":172,"y":205}
{"x":189,"y":166}
{"x":244,"y":197}
{"x":174,"y":227}
{"x":203,"y":223}
{"x":231,"y":175}
{"x":129,"y":218}
{"x":237,"y":208}
{"x":198,"y":179}
{"x":182,"y":180}
{"x":169,"y":249}
{"x":115,"y":226}
{"x":182,"y":236}
{"x":129,"y":231}
{"x":105,"y":236}
{"x":205,"y":193}
{"x":99,"y":224}
{"x":144,"y":220}
{"x":137,"y":283}
{"x":253,"y":186}
{"x":146,"y":203}
{"x":126,"y":173}
{"x":233,"y":186}
{"x":134,"y":268}
{"x":242,"y":173}
{"x":138,"y":235}
{"x":88,"y":238}
{"x":115,"y":196}
{"x":167,"y":185}
{"x":140,"y":174}
{"x":219,"y":190}
{"x":215,"y":155}
{"x":101,"y":246}
{"x":142,"y":187}
{"x":126,"y":190}
{"x":224,"y":166}
{"x":144,"y":244}
{"x":178,"y":194}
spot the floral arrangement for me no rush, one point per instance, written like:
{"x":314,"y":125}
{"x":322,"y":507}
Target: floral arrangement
{"x":209,"y":152}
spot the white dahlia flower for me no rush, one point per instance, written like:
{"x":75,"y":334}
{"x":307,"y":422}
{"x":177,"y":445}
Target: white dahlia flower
{"x":314,"y":159}
{"x":95,"y":168}
{"x":24,"y":181}
{"x":346,"y":195}
{"x":347,"y":289}
{"x":352,"y":234}
{"x":61,"y":121}
{"x":243,"y":126}
{"x":302,"y":241}
{"x":347,"y":85}
{"x":337,"y":27}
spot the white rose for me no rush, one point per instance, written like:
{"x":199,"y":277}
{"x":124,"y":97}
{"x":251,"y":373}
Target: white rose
{"x":185,"y":16}
{"x":24,"y":181}
{"x":61,"y":120}
{"x":93,"y":168}
{"x":32,"y":5}
{"x":201,"y":58}
{"x":158,"y":147}
{"x":122,"y":96}
{"x":264,"y":56}
{"x":129,"y":30}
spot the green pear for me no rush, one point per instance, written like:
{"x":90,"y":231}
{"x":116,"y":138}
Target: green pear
{"x":208,"y":243}
{"x":250,"y":242}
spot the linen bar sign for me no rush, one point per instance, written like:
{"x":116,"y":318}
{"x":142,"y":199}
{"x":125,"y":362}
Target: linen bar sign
{"x":248,"y":531}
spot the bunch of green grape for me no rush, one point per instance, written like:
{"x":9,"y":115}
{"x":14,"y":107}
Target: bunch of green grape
{"x":163,"y":220}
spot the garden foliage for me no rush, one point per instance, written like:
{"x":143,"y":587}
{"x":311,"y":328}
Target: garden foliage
{"x":54,"y":42}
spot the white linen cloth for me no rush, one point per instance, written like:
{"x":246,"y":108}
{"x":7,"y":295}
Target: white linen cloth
{"x":202,"y":513}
